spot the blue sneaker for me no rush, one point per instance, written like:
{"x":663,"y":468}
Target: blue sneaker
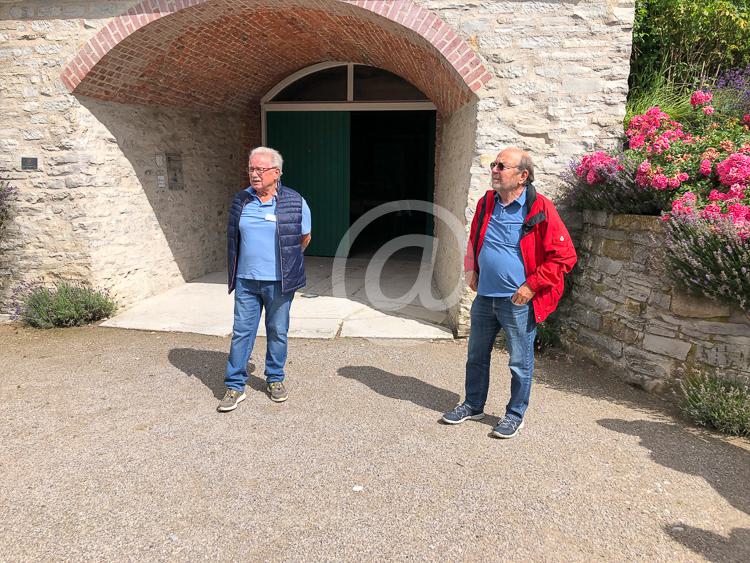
{"x":507,"y":427}
{"x":461,"y":413}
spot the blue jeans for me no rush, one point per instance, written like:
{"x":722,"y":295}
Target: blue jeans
{"x":250,"y":297}
{"x":488,"y":316}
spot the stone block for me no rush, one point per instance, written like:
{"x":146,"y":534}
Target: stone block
{"x":651,"y":365}
{"x":672,"y":347}
{"x":587,"y":318}
{"x":581,"y":85}
{"x":599,"y":341}
{"x":739,"y":316}
{"x":632,"y":308}
{"x":606,"y":265}
{"x":686,"y":305}
{"x":619,"y":330}
{"x":646,"y":238}
{"x":618,"y":249}
{"x":615,"y":295}
{"x":610,"y":234}
{"x":598,"y":218}
{"x":707,"y":329}
{"x":533,"y":126}
{"x":637,"y":223}
{"x":642,"y":255}
{"x":660,"y":328}
{"x":635,"y":290}
{"x":713,"y":355}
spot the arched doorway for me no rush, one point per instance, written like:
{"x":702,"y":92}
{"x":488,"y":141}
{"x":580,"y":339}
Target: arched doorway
{"x":354,"y":137}
{"x":188,"y":79}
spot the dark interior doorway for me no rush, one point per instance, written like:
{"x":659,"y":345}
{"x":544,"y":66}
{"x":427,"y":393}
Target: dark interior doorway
{"x":392,"y":158}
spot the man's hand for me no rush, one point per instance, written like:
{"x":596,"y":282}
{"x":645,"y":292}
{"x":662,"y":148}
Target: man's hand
{"x":305,"y":240}
{"x":471,"y":279}
{"x":523,"y":295}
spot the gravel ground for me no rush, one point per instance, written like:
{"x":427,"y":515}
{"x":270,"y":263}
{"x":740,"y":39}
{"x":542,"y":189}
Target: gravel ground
{"x":111,"y":449}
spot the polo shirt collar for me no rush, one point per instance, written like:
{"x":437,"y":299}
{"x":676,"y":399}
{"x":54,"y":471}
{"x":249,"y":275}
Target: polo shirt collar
{"x":521,"y":199}
{"x":252,"y":192}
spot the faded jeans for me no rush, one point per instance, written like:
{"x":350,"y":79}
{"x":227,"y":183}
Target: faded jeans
{"x":488,"y":316}
{"x":250,"y":298}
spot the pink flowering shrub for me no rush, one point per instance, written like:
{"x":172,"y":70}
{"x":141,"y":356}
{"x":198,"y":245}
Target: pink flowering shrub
{"x":697,"y":176}
{"x":596,"y":168}
{"x":679,"y":168}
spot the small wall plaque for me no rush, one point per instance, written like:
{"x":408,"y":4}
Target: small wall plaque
{"x":29,"y":163}
{"x":174,"y":172}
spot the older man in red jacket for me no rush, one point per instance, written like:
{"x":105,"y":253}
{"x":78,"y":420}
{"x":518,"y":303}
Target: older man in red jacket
{"x":518,"y":252}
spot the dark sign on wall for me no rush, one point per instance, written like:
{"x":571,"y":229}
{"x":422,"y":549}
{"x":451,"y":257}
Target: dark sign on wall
{"x":29,"y":163}
{"x":174,"y":172}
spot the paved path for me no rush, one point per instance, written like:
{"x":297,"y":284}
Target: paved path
{"x":204,"y":307}
{"x":110,"y":449}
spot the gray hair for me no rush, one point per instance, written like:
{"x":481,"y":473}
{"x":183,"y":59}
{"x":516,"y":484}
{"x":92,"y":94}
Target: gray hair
{"x":526,"y":164}
{"x":276,"y":158}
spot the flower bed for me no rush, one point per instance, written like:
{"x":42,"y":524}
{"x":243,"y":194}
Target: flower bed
{"x":696,"y":176}
{"x":664,"y":284}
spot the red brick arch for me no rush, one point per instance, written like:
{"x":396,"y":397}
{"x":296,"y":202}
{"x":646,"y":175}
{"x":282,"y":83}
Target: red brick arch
{"x":225,"y":54}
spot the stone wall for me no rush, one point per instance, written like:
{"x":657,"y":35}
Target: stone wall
{"x":626,"y":314}
{"x":560,"y":78}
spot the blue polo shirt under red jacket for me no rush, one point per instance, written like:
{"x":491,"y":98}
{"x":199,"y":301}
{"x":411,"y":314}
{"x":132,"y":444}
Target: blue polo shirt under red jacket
{"x":547,"y":251}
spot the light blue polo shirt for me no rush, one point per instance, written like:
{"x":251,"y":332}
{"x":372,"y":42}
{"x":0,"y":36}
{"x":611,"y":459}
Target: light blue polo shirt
{"x":501,"y":270}
{"x":259,"y":242}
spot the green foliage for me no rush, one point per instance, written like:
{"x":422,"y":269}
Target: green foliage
{"x":6,"y":194}
{"x":64,"y":305}
{"x":547,"y":334}
{"x":670,"y":98}
{"x":709,"y":259}
{"x":679,"y":40}
{"x":716,"y":403}
{"x":681,"y":45}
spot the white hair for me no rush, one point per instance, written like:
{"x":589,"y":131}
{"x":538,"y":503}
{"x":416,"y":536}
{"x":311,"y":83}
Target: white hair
{"x":276,"y":158}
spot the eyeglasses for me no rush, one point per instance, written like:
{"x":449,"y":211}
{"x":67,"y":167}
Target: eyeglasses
{"x":500,"y":166}
{"x":259,"y":170}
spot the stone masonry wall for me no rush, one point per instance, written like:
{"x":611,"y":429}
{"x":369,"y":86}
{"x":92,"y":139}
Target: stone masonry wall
{"x":93,"y":211}
{"x":626,"y":314}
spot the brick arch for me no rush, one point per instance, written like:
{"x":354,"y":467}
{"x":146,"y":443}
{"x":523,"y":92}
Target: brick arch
{"x":220,"y":55}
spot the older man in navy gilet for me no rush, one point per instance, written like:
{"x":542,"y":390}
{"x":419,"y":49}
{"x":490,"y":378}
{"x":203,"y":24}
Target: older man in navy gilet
{"x":268,"y":230}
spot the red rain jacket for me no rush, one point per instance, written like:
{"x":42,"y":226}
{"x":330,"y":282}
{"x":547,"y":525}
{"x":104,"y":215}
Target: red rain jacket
{"x":547,"y":251}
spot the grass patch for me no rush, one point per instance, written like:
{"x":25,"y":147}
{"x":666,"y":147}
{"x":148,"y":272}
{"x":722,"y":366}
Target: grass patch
{"x":671,"y":98}
{"x":717,"y":403}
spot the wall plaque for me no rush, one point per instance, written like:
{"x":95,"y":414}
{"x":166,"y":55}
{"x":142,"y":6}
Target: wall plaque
{"x":29,"y":163}
{"x":174,"y":172}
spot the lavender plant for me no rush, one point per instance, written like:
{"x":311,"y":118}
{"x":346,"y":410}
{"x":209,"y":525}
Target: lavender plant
{"x":710,"y":258}
{"x":716,"y":403}
{"x":63,"y":305}
{"x":732,"y":90}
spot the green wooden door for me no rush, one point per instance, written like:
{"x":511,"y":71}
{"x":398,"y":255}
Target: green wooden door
{"x":315,"y":147}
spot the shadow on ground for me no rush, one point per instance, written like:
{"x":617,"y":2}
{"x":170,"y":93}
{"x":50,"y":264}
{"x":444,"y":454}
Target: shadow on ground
{"x":209,"y":366}
{"x":724,"y":466}
{"x":406,"y":388}
{"x":711,"y":545}
{"x":559,"y":371}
